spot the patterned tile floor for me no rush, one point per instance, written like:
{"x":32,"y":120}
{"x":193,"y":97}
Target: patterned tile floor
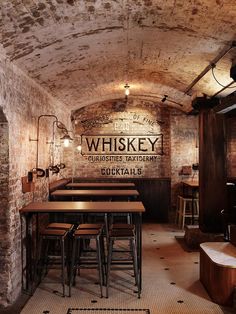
{"x":170,"y":283}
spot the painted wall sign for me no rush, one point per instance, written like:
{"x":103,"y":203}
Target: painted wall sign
{"x":122,"y":144}
{"x":113,"y":140}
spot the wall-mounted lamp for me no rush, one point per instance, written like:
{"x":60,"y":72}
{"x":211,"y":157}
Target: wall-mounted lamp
{"x":40,"y":172}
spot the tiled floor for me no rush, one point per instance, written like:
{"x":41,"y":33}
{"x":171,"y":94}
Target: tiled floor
{"x":170,"y":284}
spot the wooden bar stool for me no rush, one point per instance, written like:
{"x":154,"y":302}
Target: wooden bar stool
{"x":131,"y":262}
{"x":186,"y":208}
{"x":79,"y":258}
{"x":54,"y":232}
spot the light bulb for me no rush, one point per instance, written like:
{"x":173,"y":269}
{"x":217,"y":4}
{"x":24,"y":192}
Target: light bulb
{"x":66,"y":142}
{"x":79,"y":148}
{"x":126,"y":89}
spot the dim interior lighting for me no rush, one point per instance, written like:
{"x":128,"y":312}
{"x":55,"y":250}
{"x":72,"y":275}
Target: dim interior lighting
{"x":66,"y":139}
{"x":126,"y":87}
{"x":79,"y":148}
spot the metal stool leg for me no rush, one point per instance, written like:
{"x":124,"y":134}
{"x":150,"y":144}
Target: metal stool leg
{"x":99,"y":261}
{"x":123,"y":235}
{"x":63,"y":265}
{"x":109,"y":265}
{"x":78,"y":260}
{"x":135,"y":257}
{"x":72,"y":267}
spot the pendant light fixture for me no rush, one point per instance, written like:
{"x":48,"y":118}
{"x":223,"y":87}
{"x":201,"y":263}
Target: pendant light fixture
{"x":126,"y":87}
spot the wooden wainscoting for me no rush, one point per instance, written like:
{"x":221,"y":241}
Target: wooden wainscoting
{"x":155,"y":193}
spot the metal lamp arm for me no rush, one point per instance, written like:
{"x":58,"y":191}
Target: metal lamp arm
{"x":37,"y":147}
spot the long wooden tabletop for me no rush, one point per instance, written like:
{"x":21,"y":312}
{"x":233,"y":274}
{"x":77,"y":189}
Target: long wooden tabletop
{"x":195,"y":183}
{"x":100,"y":184}
{"x":83,"y":207}
{"x":95,"y":193}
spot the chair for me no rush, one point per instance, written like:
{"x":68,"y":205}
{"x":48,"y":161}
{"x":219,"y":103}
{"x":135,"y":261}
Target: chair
{"x":88,"y":232}
{"x":186,"y":208}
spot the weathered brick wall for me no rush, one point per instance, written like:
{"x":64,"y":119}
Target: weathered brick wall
{"x":184,"y":149}
{"x":231,"y":146}
{"x":21,"y":101}
{"x":180,"y":133}
{"x":4,"y":229}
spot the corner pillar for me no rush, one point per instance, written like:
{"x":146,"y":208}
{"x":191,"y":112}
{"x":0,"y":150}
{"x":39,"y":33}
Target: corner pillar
{"x":212,"y":166}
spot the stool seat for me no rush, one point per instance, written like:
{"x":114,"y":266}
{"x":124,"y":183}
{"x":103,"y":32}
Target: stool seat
{"x":117,"y":233}
{"x":54,"y":232}
{"x":87,"y":232}
{"x":90,"y":226}
{"x":122,"y":226}
{"x":58,"y":225}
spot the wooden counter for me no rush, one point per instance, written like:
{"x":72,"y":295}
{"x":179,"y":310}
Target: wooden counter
{"x":218,"y":271}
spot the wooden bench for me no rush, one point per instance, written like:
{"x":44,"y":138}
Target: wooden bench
{"x":218,"y":271}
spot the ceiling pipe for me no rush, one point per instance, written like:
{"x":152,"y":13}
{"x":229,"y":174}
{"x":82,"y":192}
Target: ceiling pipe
{"x":209,"y":67}
{"x":222,"y":89}
{"x":163,"y":99}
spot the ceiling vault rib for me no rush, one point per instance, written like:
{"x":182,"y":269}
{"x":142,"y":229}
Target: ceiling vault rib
{"x":210,"y":66}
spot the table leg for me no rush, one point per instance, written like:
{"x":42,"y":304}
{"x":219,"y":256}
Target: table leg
{"x":29,"y":267}
{"x":139,"y":247}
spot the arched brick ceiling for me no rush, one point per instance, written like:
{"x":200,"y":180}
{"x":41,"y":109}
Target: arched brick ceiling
{"x":84,"y":51}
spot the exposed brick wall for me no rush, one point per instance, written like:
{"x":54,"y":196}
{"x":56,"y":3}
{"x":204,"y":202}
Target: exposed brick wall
{"x":4,"y":228}
{"x":21,"y":102}
{"x":113,"y":118}
{"x":184,"y":148}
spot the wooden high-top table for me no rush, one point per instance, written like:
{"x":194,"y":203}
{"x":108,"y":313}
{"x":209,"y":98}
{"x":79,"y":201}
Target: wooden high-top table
{"x":108,"y":194}
{"x":36,"y":208}
{"x":110,"y":185}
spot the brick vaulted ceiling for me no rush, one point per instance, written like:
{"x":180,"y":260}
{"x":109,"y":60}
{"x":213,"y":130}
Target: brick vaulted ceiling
{"x":84,"y":51}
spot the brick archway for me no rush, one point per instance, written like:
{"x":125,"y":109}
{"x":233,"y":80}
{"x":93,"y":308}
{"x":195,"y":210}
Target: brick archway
{"x":4,"y":209}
